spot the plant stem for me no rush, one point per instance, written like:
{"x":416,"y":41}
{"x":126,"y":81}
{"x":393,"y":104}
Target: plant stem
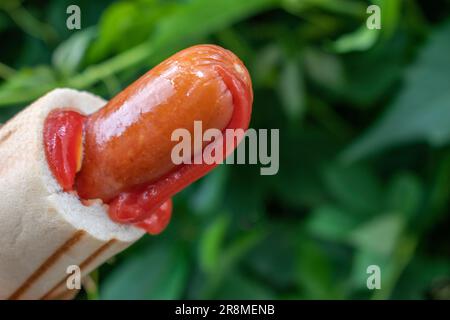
{"x":87,"y":78}
{"x":118,"y":63}
{"x":29,"y":24}
{"x":6,"y":71}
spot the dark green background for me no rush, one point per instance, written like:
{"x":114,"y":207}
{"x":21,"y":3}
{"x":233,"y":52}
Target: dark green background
{"x":364,"y":119}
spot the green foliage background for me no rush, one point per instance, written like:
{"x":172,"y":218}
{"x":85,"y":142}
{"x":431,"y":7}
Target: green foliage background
{"x":364,"y":119}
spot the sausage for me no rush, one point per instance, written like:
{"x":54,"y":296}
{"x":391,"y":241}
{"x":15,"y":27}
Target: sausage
{"x":128,"y":142}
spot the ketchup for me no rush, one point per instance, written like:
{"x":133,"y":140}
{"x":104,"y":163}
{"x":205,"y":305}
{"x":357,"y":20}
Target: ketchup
{"x":63,"y":137}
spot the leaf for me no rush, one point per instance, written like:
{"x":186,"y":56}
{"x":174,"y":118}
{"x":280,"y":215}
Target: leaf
{"x":68,"y":56}
{"x":291,"y":89}
{"x":238,"y":286}
{"x":302,"y":154}
{"x":314,"y":271}
{"x":244,"y":198}
{"x":379,"y":235}
{"x":240,"y":246}
{"x":347,"y":7}
{"x":360,"y":40}
{"x":211,"y":244}
{"x":422,"y":109}
{"x":126,"y":24}
{"x":356,"y":187}
{"x":177,"y":26}
{"x":32,"y":81}
{"x":155,"y":273}
{"x":423,"y":276}
{"x":4,"y":22}
{"x":384,"y":63}
{"x":331,"y":223}
{"x":273,"y":259}
{"x":27,"y":79}
{"x":391,"y":11}
{"x":265,"y":63}
{"x":211,"y":191}
{"x":438,"y":197}
{"x":324,"y":69}
{"x":404,"y":195}
{"x":199,"y":18}
{"x":228,"y":260}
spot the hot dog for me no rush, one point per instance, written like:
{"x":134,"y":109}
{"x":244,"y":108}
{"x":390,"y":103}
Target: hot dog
{"x":83,"y":179}
{"x":127,"y":144}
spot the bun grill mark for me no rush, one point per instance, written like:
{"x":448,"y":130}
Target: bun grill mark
{"x":82,"y":266}
{"x":5,"y":136}
{"x":47,"y":264}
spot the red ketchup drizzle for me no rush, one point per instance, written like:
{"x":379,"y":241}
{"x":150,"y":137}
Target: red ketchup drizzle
{"x":63,"y":139}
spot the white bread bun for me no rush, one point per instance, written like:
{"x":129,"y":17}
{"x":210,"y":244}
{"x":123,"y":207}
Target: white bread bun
{"x":43,"y":230}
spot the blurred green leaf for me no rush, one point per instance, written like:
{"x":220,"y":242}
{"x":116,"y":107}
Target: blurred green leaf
{"x":314,"y":272}
{"x":422,"y":278}
{"x":243,"y":198}
{"x":359,"y":40}
{"x":4,"y":23}
{"x":238,"y":286}
{"x":273,"y":259}
{"x":199,"y":18}
{"x":211,"y":191}
{"x":331,"y":223}
{"x":348,"y":7}
{"x":404,"y":252}
{"x":126,"y":24}
{"x":158,"y":272}
{"x":391,"y":11}
{"x":383,"y":63}
{"x":356,"y":187}
{"x":302,"y":154}
{"x":28,"y":78}
{"x":231,"y":256}
{"x":291,"y":89}
{"x":231,"y":39}
{"x":379,"y":235}
{"x":241,"y":245}
{"x":32,"y":81}
{"x":421,"y":110}
{"x":404,"y":195}
{"x":264,"y":69}
{"x":68,"y":56}
{"x":391,"y":254}
{"x":438,"y":199}
{"x":212,"y":244}
{"x":324,"y":68}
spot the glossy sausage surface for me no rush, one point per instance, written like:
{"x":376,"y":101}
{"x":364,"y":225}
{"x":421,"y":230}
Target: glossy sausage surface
{"x":128,"y":142}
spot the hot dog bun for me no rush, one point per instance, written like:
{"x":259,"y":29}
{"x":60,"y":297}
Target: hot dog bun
{"x":43,"y":230}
